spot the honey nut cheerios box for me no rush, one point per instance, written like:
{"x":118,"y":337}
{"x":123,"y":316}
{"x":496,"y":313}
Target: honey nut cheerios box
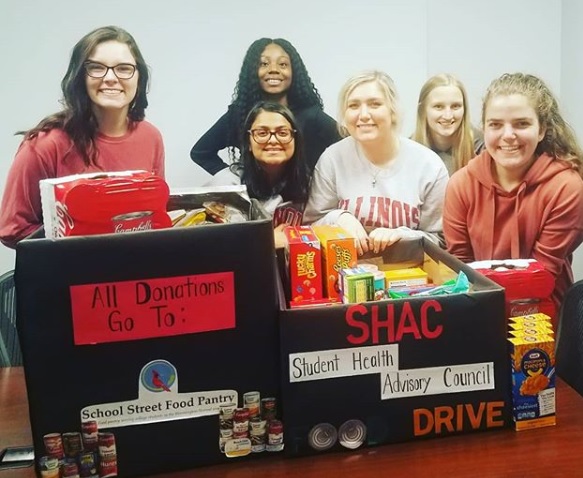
{"x":533,"y":378}
{"x":338,"y":252}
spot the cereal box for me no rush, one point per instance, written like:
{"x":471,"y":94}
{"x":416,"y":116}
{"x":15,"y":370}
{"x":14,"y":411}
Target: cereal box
{"x":533,"y":381}
{"x":338,"y":252}
{"x":303,"y":260}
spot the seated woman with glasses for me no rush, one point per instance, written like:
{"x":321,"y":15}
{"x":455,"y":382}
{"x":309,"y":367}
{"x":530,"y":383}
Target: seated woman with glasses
{"x":100,"y":128}
{"x":272,"y":70}
{"x":272,"y":165}
{"x":378,"y":186}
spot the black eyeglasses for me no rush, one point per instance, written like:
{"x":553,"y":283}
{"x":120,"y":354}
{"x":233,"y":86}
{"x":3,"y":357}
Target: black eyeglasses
{"x":124,"y":71}
{"x":263,"y":135}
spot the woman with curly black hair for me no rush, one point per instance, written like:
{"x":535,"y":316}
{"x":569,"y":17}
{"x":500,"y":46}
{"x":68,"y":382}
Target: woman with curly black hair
{"x":272,"y":164}
{"x":273,"y":71}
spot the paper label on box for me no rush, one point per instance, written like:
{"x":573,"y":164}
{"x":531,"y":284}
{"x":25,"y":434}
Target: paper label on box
{"x":140,"y":309}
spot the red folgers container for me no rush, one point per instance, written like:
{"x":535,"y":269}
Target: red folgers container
{"x":102,"y":203}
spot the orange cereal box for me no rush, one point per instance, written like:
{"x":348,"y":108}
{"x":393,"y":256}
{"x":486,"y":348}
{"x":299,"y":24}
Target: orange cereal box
{"x":304,"y":263}
{"x":338,"y":252}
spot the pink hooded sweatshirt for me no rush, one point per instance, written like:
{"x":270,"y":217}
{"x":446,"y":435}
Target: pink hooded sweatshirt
{"x":542,"y":218}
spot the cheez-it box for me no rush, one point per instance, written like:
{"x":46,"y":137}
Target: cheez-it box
{"x":304,"y":263}
{"x":338,"y":252}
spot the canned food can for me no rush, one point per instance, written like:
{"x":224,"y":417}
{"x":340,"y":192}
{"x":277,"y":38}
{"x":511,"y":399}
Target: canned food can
{"x":352,"y":434}
{"x":70,"y":470}
{"x":72,"y":443}
{"x":275,"y":436}
{"x":241,"y":420}
{"x":89,"y":434}
{"x":258,"y":443}
{"x":251,"y":401}
{"x":322,"y":436}
{"x":54,"y":445}
{"x":87,"y":465}
{"x":268,"y":408}
{"x":257,"y":426}
{"x":132,"y":222}
{"x":106,"y":443}
{"x":226,"y":412}
{"x":108,"y":467}
{"x":49,"y":467}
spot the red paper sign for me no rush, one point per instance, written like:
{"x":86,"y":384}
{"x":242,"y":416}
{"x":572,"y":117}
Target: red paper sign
{"x":141,"y":309}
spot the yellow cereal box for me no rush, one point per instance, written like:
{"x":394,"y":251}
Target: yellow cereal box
{"x":338,"y":252}
{"x":533,"y":381}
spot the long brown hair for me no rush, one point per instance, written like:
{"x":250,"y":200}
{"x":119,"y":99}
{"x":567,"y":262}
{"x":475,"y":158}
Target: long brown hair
{"x":77,"y":118}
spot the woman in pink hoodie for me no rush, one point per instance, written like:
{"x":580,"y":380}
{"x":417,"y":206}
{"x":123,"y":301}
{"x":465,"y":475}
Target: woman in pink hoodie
{"x":523,"y":196}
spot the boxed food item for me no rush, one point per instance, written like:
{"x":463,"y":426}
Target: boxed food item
{"x":101,"y":203}
{"x":396,"y":370}
{"x":356,"y":285}
{"x":533,"y":380}
{"x":405,"y":277}
{"x":303,"y":256}
{"x":338,"y":252}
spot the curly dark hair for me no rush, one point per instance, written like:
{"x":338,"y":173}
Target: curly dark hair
{"x":77,"y":118}
{"x":294,"y":184}
{"x":302,"y":92}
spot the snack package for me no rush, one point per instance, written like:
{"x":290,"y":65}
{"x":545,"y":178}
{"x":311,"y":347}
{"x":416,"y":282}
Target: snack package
{"x":100,"y":203}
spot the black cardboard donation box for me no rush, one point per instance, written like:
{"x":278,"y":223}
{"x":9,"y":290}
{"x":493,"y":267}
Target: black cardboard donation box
{"x":364,"y":374}
{"x":133,"y":342}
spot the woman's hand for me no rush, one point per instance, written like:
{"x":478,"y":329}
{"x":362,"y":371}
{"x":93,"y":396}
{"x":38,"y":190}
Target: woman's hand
{"x":381,"y":238}
{"x":355,"y":229}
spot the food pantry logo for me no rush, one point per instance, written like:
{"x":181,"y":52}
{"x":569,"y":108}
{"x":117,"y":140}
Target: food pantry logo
{"x":158,"y":376}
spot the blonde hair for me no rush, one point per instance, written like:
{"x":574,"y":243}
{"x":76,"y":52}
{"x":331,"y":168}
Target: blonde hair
{"x":463,"y":139}
{"x":559,"y":141}
{"x":385,"y":83}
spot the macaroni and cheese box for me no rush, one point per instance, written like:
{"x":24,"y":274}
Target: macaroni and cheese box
{"x":533,"y":380}
{"x":405,"y":277}
{"x":338,"y":252}
{"x":357,"y":285}
{"x":304,"y":263}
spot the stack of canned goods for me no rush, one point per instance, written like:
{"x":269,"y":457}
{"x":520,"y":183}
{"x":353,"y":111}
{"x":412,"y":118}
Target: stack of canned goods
{"x":85,"y":454}
{"x":252,"y":428}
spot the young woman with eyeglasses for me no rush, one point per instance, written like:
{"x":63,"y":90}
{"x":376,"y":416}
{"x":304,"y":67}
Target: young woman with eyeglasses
{"x":273,"y":71}
{"x":100,"y":128}
{"x":272,"y":165}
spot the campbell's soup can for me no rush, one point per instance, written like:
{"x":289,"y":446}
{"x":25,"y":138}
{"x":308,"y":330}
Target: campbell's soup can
{"x":108,"y":467}
{"x":132,"y":222}
{"x":70,"y":470}
{"x":106,"y":443}
{"x":89,"y":434}
{"x":54,"y":445}
{"x":241,"y":420}
{"x":275,"y":436}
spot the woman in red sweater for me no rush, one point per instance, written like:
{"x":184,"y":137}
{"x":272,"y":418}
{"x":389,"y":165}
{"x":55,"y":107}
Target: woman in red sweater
{"x":523,"y":196}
